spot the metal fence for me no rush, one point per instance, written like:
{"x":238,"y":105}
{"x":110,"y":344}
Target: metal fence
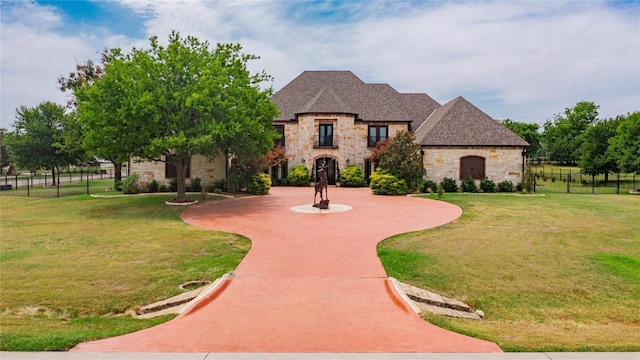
{"x":553,"y":179}
{"x":66,"y":183}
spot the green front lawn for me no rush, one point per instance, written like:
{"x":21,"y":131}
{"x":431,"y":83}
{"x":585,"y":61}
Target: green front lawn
{"x":552,"y":273}
{"x":71,"y":267}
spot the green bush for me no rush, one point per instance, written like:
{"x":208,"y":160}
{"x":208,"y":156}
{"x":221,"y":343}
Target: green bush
{"x":384,"y":183}
{"x":449,"y":185}
{"x":153,"y":186}
{"x":173,"y":185}
{"x":259,"y":184}
{"x":351,"y":176}
{"x":429,"y":186}
{"x":163,"y":188}
{"x":195,"y":184}
{"x":130,"y":184}
{"x":487,"y":186}
{"x":469,"y":185}
{"x":299,"y":176}
{"x":505,"y":186}
{"x":220,"y":184}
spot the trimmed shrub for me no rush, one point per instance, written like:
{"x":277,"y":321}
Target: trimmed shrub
{"x":173,"y":185}
{"x":259,"y":184}
{"x":505,"y":186}
{"x":469,"y":185}
{"x":298,"y":176}
{"x":195,"y":184}
{"x":130,"y":184}
{"x":487,"y":186}
{"x":449,"y":185}
{"x":384,"y":183}
{"x":429,"y":186}
{"x":152,"y":186}
{"x":351,"y":176}
{"x":163,"y":188}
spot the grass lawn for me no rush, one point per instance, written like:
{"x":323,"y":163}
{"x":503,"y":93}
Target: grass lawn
{"x":559,"y":272}
{"x":71,"y":267}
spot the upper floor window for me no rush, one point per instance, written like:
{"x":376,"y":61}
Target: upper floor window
{"x":325,"y":135}
{"x":377,"y":133}
{"x":280,"y":130}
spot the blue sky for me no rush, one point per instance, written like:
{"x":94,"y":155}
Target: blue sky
{"x":524,"y":60}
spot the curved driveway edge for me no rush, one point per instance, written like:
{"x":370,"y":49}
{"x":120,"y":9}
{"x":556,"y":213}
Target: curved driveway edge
{"x":312,"y":282}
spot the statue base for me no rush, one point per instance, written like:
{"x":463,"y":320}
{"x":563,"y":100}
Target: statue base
{"x":323,"y":204}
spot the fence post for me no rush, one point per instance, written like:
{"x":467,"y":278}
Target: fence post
{"x":88,"y":183}
{"x":16,"y":181}
{"x":58,"y":187}
{"x":593,"y":184}
{"x":568,"y":181}
{"x":618,"y":184}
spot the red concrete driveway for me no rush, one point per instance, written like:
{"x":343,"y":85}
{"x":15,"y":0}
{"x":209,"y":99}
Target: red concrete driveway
{"x":312,"y":282}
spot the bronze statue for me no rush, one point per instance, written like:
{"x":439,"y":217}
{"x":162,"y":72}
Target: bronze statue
{"x":322,"y":185}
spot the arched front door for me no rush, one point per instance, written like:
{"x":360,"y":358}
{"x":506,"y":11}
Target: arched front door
{"x":331,"y":168}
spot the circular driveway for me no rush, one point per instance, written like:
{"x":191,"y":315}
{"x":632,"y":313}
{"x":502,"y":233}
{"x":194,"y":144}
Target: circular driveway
{"x":312,"y":281}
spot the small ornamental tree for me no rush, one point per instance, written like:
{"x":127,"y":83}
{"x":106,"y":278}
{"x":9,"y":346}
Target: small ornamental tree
{"x":400,"y":156}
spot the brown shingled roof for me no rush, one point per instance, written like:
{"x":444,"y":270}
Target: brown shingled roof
{"x":460,"y":123}
{"x":335,"y":92}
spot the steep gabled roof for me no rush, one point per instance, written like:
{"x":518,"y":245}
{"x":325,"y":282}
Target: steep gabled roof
{"x":336,"y":92}
{"x":417,"y":106}
{"x":460,"y":123}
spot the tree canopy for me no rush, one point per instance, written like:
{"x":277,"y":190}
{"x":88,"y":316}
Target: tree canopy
{"x":41,"y":138}
{"x":625,"y":145}
{"x":529,"y":132}
{"x":170,"y":103}
{"x":563,"y":135}
{"x":595,"y":156}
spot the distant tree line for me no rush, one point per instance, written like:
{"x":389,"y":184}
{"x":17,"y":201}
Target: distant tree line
{"x":578,"y":137}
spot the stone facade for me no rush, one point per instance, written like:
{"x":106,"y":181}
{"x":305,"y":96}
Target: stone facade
{"x":201,"y":167}
{"x":501,"y":163}
{"x":349,"y":139}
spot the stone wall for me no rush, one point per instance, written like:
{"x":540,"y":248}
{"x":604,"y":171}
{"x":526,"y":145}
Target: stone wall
{"x":501,"y":163}
{"x":350,"y":139}
{"x":201,"y":167}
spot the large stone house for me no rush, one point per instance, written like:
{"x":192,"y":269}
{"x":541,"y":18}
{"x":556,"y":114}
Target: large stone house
{"x":335,"y":117}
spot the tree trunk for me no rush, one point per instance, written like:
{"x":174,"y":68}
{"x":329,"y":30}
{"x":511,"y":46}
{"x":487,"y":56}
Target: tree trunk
{"x":117,"y":174}
{"x":606,"y":178}
{"x":181,"y":176}
{"x":53,"y":175}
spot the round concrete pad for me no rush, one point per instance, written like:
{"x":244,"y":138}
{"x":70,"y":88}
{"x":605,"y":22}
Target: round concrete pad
{"x":310,"y":209}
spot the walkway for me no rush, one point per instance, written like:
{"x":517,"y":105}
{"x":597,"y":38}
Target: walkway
{"x":312,"y":282}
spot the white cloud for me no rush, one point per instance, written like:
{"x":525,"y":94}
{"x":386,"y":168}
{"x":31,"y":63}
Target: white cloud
{"x":526,"y":61}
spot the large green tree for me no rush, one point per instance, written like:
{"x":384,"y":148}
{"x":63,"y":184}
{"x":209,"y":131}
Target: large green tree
{"x":401,"y":156}
{"x":529,"y":132}
{"x":106,"y":131}
{"x":595,"y":158}
{"x":562,"y":137}
{"x":181,"y":100}
{"x":625,"y":146}
{"x":40,"y":138}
